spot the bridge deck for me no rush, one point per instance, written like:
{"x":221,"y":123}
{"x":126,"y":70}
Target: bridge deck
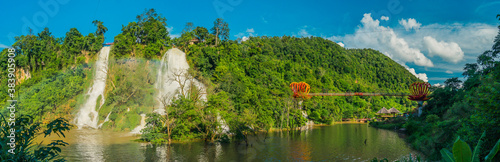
{"x":358,"y":94}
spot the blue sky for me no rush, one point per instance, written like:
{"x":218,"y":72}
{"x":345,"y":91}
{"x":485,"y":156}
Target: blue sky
{"x":434,"y":39}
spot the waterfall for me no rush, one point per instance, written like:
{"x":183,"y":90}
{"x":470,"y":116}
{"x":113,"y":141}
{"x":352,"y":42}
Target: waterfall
{"x":105,"y":120}
{"x":172,"y":64}
{"x":88,"y":115}
{"x":137,"y":130}
{"x":223,"y":126}
{"x":309,"y":123}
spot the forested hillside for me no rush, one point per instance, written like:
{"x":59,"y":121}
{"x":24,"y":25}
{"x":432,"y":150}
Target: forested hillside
{"x":248,"y":81}
{"x":51,"y":72}
{"x":464,"y":109}
{"x":257,"y":73}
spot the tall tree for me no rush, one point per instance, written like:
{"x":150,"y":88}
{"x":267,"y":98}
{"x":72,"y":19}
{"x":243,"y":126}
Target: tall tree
{"x":453,"y":83}
{"x":188,"y":28}
{"x":150,"y":28}
{"x":101,"y":29}
{"x":220,"y":30}
{"x":201,"y":33}
{"x":73,"y":44}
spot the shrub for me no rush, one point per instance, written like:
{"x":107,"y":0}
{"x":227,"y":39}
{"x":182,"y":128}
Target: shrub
{"x":412,"y":126}
{"x":315,"y":116}
{"x":26,"y":132}
{"x":80,"y":60}
{"x":462,"y":152}
{"x":431,"y":118}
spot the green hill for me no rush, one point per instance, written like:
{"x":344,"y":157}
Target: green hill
{"x":257,"y":73}
{"x":251,"y":76}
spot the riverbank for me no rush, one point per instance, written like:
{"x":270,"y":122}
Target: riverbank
{"x":348,"y":122}
{"x":388,"y":126}
{"x":394,"y":124}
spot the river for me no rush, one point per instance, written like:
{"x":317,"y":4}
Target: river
{"x":340,"y":142}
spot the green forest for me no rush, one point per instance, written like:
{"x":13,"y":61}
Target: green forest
{"x":247,"y":84}
{"x":464,"y":109}
{"x":254,"y":74}
{"x":52,"y":72}
{"x":467,"y":109}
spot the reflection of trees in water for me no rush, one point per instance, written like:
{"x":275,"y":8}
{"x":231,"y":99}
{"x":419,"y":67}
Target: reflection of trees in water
{"x":331,"y":143}
{"x":183,"y":152}
{"x":210,"y":152}
{"x":300,"y":150}
{"x":156,"y":152}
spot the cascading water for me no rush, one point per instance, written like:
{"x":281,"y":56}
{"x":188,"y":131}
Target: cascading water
{"x":105,"y":120}
{"x":137,"y":130}
{"x":223,"y":126}
{"x":173,"y":65}
{"x":88,"y":115}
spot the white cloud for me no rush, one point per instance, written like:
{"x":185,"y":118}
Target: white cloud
{"x":449,"y":72}
{"x":450,"y":52}
{"x":421,"y":76}
{"x":244,"y":39}
{"x":472,"y":38}
{"x":371,"y":35}
{"x":384,"y":18}
{"x":250,"y":30}
{"x":341,"y":44}
{"x":303,"y":33}
{"x":4,"y":46}
{"x":438,"y":85}
{"x":410,"y":24}
{"x":172,"y":35}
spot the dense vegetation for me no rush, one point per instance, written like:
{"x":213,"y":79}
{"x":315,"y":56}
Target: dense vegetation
{"x":129,"y":92}
{"x":461,"y":109}
{"x":26,"y":130}
{"x":146,"y":38}
{"x":51,"y":73}
{"x":247,"y":81}
{"x":257,"y":73}
{"x":130,"y":87}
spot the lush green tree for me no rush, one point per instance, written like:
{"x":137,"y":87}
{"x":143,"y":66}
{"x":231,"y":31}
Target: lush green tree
{"x":26,"y":131}
{"x":453,"y":83}
{"x":201,"y":33}
{"x":149,"y":32}
{"x":122,"y":45}
{"x":464,"y":112}
{"x":188,"y":27}
{"x":73,"y":45}
{"x":220,"y":30}
{"x":101,"y":29}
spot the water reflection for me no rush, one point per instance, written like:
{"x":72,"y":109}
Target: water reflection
{"x":343,"y":142}
{"x":88,"y":145}
{"x":300,"y":151}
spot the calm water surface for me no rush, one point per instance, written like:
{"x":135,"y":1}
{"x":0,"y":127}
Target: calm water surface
{"x":341,"y":142}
